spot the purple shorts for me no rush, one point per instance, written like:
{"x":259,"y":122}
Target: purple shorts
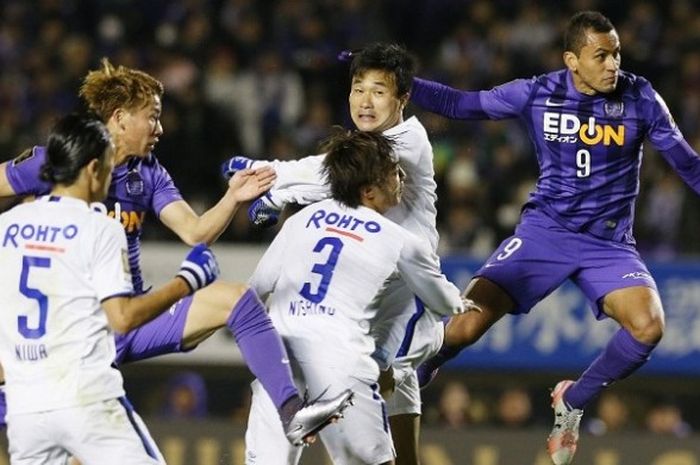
{"x":542,"y":254}
{"x":163,"y":335}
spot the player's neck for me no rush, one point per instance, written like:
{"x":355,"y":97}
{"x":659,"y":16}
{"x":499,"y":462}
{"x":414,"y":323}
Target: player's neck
{"x":121,"y":157}
{"x":78,"y":190}
{"x":581,"y":86}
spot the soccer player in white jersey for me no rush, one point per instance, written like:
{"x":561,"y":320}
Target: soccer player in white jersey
{"x":339,"y":255}
{"x":405,"y":333}
{"x":66,"y":288}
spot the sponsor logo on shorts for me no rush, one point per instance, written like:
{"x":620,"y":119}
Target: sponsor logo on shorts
{"x":637,"y":275}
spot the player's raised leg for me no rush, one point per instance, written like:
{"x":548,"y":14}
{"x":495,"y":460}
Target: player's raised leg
{"x":640,"y":313}
{"x":464,"y":330}
{"x":239,"y":309}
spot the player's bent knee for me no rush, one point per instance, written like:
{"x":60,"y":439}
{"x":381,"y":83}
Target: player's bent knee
{"x":219,"y":298}
{"x":648,"y":329}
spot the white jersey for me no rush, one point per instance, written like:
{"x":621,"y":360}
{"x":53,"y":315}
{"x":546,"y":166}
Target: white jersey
{"x":324,"y":269}
{"x":59,"y":260}
{"x":403,"y":327}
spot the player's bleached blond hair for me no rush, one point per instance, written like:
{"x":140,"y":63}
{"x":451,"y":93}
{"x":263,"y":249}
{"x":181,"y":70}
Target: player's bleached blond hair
{"x":106,"y":89}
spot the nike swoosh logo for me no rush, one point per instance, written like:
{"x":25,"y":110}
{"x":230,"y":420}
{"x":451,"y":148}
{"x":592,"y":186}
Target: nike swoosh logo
{"x":550,"y":103}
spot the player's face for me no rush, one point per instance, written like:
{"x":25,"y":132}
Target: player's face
{"x":595,"y":69}
{"x":388,"y":195}
{"x":374,"y":103}
{"x":142,"y":129}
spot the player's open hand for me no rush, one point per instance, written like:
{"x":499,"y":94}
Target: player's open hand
{"x":249,"y":184}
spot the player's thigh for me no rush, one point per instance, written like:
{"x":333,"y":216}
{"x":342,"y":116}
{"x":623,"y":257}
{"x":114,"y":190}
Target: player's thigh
{"x":616,"y":281}
{"x":265,"y":441}
{"x":638,"y":309}
{"x":109,"y":433}
{"x":362,"y":436}
{"x":162,"y":335}
{"x":405,"y":429}
{"x":210,"y":309}
{"x":527,"y":266}
{"x":32,"y":440}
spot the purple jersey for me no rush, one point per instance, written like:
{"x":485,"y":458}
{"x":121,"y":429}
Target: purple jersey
{"x":138,"y":186}
{"x":589,"y":148}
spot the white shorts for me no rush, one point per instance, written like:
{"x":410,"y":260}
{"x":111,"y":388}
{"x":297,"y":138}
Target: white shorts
{"x":265,"y":442}
{"x":361,"y":437}
{"x":406,"y":396}
{"x":104,"y":433}
{"x":429,"y":334}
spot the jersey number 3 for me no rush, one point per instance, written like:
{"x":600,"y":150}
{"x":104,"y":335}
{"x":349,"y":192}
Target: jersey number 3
{"x":34,"y":294}
{"x":324,"y":269}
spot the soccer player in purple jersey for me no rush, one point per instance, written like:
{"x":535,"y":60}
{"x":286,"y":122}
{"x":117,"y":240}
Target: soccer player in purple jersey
{"x":587,"y":123}
{"x":128,"y":101}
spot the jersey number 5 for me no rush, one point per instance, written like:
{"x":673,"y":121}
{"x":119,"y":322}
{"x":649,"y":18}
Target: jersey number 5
{"x":35,"y":294}
{"x":324,"y":269}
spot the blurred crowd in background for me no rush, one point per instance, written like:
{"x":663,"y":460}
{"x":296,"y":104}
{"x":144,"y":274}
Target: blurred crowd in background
{"x":261,"y":79}
{"x":450,"y":404}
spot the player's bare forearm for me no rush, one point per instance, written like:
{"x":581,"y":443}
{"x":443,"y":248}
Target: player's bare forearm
{"x":127,"y":313}
{"x":245,"y":185}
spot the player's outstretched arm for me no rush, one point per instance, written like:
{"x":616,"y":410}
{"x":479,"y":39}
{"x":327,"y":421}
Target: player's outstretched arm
{"x":420,"y":270}
{"x":199,"y":269}
{"x":447,"y":101}
{"x":192,"y":228}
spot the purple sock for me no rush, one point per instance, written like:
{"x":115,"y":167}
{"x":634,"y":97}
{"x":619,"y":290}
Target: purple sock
{"x":621,"y":357}
{"x":262,"y":347}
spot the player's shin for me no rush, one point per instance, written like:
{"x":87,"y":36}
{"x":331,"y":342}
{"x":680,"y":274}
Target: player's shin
{"x":621,"y":357}
{"x":262,"y":348}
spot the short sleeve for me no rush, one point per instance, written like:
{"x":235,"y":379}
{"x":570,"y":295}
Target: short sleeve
{"x":164,"y":190}
{"x":23,"y":172}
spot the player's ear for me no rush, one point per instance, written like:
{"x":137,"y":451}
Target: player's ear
{"x":367,"y":194}
{"x":93,"y":168}
{"x":571,"y":61}
{"x":404,"y":100}
{"x":118,"y":116}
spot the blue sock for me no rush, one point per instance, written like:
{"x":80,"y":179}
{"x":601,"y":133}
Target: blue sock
{"x":621,"y":357}
{"x":262,"y":347}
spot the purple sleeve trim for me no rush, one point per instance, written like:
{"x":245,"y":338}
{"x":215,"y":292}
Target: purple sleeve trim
{"x":447,"y":101}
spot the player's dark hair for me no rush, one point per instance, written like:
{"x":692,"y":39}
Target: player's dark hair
{"x":579,"y":24}
{"x":354,"y":160}
{"x":391,"y":58}
{"x":74,"y":141}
